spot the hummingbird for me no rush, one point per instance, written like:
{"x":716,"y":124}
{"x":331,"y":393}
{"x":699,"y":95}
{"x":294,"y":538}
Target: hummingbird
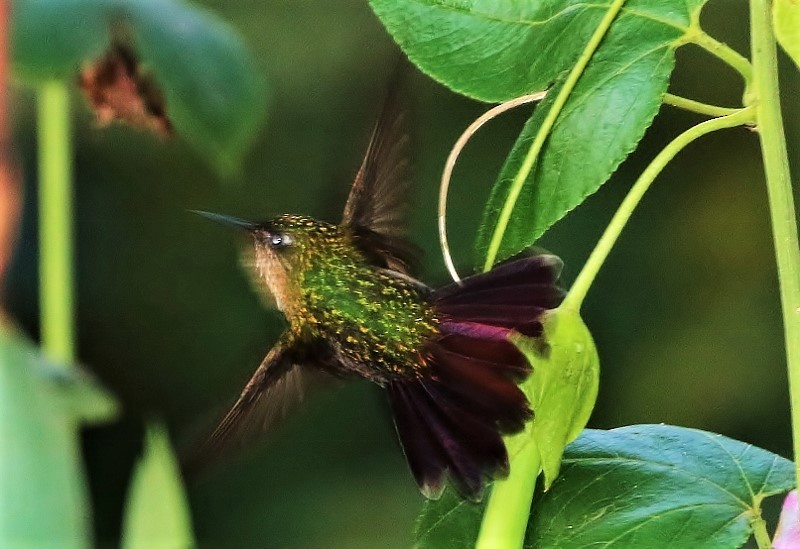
{"x":354,"y":309}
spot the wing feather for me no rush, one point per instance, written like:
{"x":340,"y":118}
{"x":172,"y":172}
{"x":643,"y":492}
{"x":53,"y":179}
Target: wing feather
{"x":377,"y":207}
{"x":274,"y":388}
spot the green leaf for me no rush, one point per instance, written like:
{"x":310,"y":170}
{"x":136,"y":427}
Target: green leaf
{"x":214,"y":94}
{"x":562,"y":389}
{"x":657,"y":486}
{"x":157,"y":513}
{"x":639,"y":486}
{"x":606,"y":115}
{"x":786,"y":18}
{"x":495,"y":50}
{"x":43,"y":495}
{"x":81,"y":394}
{"x":448,"y":523}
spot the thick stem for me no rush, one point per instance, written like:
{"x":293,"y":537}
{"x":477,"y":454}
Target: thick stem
{"x":544,"y":131}
{"x":779,"y":190}
{"x":598,"y":256}
{"x":508,"y":509}
{"x":55,"y":223}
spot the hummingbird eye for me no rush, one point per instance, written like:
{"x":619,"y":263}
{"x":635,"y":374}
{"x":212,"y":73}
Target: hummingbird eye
{"x":280,"y":240}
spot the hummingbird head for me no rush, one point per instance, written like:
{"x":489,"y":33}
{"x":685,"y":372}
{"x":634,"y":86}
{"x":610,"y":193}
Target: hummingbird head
{"x":292,"y":240}
{"x":285,"y":248}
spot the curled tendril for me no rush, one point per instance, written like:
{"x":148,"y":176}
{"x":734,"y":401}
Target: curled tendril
{"x":444,"y":185}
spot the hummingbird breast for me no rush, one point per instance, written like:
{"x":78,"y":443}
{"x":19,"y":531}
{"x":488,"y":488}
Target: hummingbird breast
{"x":376,"y":322}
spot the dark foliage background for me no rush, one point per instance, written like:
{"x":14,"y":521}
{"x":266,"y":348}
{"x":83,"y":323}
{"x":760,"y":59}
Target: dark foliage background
{"x":685,"y":313}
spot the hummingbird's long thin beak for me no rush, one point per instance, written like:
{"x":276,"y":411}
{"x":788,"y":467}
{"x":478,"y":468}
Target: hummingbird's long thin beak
{"x":227,"y":220}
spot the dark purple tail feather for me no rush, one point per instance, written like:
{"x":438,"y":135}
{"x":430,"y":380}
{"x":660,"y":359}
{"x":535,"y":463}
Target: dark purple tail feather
{"x":443,"y":435}
{"x":424,"y":454}
{"x":497,"y":353}
{"x":522,"y":318}
{"x":481,"y":384}
{"x":543,"y":293}
{"x":469,"y":443}
{"x":468,"y":396}
{"x":538,"y":269}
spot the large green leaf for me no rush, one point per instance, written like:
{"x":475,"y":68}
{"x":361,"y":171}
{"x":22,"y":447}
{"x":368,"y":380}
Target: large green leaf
{"x":639,"y":486}
{"x":495,"y":50}
{"x":43,"y":499}
{"x":657,"y":486}
{"x":157,"y":513}
{"x":607,"y":113}
{"x":215,"y":96}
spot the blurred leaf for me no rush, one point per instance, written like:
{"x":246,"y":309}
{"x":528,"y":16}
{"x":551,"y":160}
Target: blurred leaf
{"x":52,"y":38}
{"x":43,"y":500}
{"x":786,"y":18}
{"x":638,"y":486}
{"x":657,"y":486}
{"x":213,"y":92}
{"x":562,"y":389}
{"x":157,"y":513}
{"x":608,"y":112}
{"x":497,"y":50}
{"x":80,"y":393}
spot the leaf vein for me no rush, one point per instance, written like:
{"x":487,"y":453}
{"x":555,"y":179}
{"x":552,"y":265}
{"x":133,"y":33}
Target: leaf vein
{"x":689,"y":474}
{"x":657,"y":516}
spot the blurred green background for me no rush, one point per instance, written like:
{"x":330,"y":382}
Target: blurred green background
{"x":685,"y":312}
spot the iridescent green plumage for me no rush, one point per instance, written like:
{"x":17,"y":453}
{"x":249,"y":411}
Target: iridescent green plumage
{"x":378,"y":318}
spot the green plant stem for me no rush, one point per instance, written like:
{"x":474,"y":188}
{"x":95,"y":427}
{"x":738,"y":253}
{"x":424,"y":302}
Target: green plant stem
{"x":598,"y":256}
{"x":55,"y":223}
{"x":779,"y":190}
{"x":507,"y":511}
{"x":544,"y":131}
{"x":760,"y":528}
{"x":723,"y":52}
{"x":697,"y":106}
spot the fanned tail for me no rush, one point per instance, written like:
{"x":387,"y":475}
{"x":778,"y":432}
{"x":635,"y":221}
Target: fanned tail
{"x":451,"y":419}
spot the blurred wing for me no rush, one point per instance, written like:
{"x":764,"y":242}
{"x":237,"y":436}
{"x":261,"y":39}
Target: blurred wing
{"x":378,"y":205}
{"x":272,"y":390}
{"x":378,"y":198}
